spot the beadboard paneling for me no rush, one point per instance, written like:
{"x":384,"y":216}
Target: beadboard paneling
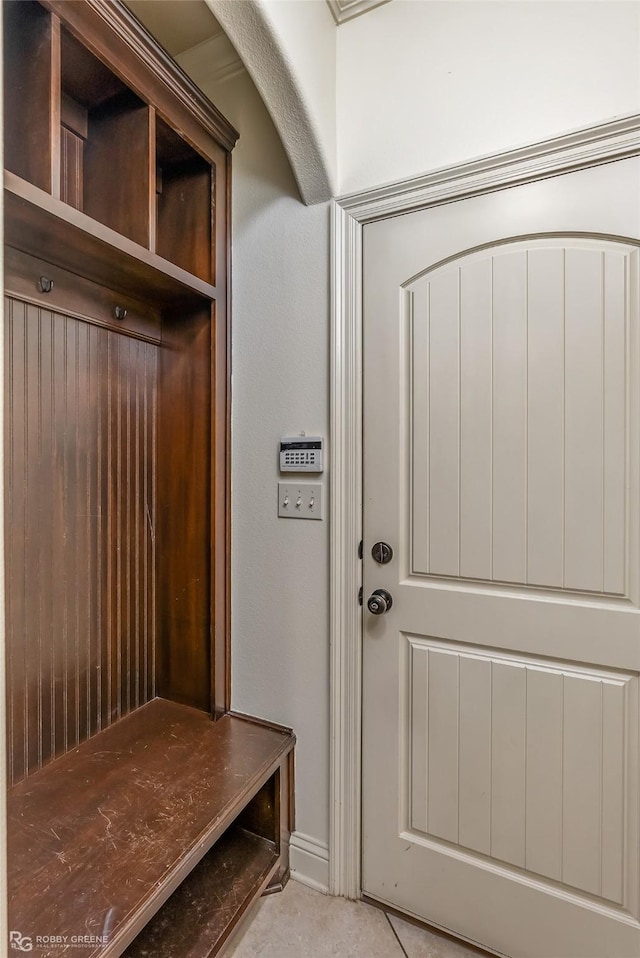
{"x":80,"y":473}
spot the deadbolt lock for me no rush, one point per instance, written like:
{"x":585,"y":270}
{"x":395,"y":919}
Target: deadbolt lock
{"x":382,"y":552}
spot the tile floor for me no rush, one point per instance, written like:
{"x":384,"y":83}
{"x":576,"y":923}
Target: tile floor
{"x":301,"y":923}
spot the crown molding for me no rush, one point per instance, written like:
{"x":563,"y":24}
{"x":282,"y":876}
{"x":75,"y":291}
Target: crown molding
{"x":212,"y":61}
{"x":577,"y":149}
{"x":343,"y":10}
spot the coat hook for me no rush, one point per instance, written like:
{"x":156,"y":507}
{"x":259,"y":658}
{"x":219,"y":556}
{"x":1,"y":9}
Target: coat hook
{"x":120,"y":312}
{"x":45,"y":284}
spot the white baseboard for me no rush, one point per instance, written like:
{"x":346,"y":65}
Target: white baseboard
{"x":310,"y":862}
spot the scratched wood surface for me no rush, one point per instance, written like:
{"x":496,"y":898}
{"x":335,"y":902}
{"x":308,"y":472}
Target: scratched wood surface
{"x":201,"y":914}
{"x":100,"y":839}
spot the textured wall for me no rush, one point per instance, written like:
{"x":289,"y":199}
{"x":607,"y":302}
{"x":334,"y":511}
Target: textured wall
{"x":289,"y":49}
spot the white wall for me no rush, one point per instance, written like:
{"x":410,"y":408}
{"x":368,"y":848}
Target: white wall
{"x":419,"y":84}
{"x":426,"y":84}
{"x":280,"y":342}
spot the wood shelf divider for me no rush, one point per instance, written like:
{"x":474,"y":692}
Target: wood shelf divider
{"x":52,"y":230}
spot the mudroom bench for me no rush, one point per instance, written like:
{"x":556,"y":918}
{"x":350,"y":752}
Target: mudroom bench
{"x":165,"y":820}
{"x":145,"y":816}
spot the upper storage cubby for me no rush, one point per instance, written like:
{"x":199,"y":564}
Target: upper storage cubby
{"x":89,"y":124}
{"x":105,"y":144}
{"x":30,"y":64}
{"x":184,"y":203}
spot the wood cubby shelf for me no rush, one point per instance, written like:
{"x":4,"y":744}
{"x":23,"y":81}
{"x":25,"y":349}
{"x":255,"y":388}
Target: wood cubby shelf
{"x":184,"y":205}
{"x":106,"y":144}
{"x":77,"y":130}
{"x":30,"y":107}
{"x":50,"y":229}
{"x":217,"y":891}
{"x":145,"y":817}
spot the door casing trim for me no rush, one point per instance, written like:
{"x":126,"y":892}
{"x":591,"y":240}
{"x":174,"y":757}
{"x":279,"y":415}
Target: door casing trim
{"x":578,"y":149}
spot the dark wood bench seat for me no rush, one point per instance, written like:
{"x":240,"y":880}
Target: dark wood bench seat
{"x":100,"y":839}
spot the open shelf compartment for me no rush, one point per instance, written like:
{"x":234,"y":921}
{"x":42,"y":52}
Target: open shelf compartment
{"x":106,"y":144}
{"x":184,"y":182}
{"x":90,"y":139}
{"x":202,"y":913}
{"x":30,"y":102}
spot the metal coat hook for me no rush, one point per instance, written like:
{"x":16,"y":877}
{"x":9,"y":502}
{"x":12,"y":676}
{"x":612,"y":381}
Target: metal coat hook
{"x":45,"y":284}
{"x":120,"y":312}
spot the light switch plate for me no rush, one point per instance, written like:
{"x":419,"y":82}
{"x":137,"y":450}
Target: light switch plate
{"x":300,"y":500}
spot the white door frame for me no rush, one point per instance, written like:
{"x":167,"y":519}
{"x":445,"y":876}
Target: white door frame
{"x":588,"y":146}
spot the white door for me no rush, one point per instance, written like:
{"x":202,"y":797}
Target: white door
{"x":502,"y":440}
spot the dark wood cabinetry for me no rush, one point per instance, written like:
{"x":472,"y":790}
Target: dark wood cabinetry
{"x":116,"y":432}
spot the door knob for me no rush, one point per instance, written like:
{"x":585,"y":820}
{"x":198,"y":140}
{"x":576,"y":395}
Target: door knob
{"x":379,"y":602}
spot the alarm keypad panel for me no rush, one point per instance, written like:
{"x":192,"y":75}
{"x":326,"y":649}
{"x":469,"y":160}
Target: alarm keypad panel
{"x":301,"y":454}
